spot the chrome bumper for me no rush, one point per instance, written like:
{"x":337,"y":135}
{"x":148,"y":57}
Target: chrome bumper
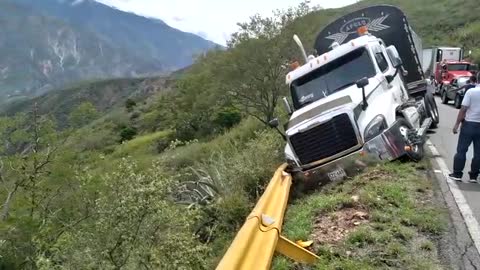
{"x":388,"y":146}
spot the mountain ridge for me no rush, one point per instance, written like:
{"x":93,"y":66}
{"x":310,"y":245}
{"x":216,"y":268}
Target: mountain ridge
{"x":50,"y":44}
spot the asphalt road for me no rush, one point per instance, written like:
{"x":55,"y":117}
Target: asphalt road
{"x":446,"y":143}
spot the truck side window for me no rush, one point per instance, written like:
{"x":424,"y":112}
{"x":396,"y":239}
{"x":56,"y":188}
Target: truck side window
{"x":381,"y":61}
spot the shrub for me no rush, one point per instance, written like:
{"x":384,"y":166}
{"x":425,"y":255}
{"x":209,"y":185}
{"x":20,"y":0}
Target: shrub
{"x":130,"y":104}
{"x":138,"y":229}
{"x":127,"y":133}
{"x":228,"y":117}
{"x":97,"y":139}
{"x":239,"y":172}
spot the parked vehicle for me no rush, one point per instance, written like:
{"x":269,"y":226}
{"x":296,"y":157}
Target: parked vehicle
{"x":433,"y":56}
{"x":443,"y":64}
{"x":362,"y":98}
{"x":453,"y":91}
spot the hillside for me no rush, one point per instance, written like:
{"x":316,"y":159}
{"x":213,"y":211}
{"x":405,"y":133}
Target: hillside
{"x":449,"y":23}
{"x":105,"y":95}
{"x":47,"y":44}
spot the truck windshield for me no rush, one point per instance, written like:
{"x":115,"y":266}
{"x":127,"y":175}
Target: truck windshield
{"x":473,"y":67}
{"x":332,"y":77}
{"x":458,"y":67}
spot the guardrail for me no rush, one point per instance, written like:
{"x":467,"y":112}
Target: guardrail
{"x":260,"y":236}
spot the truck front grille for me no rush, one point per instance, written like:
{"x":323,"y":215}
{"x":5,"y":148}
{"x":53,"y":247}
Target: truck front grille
{"x":325,"y":140}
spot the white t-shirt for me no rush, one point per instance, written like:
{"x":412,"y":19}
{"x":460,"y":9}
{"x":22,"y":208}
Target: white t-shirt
{"x":472,"y":101}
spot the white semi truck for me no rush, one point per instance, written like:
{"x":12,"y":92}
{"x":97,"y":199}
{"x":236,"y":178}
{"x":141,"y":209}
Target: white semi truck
{"x":362,"y":97}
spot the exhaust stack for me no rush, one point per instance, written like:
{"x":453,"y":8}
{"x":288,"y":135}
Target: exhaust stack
{"x":300,"y":45}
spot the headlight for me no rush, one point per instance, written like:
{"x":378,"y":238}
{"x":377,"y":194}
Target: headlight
{"x":375,"y":127}
{"x":289,"y":156}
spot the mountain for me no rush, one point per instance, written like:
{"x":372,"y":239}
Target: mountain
{"x":49,"y":43}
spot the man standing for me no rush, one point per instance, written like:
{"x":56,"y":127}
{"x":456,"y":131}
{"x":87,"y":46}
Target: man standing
{"x":469,"y":118}
{"x":472,"y":83}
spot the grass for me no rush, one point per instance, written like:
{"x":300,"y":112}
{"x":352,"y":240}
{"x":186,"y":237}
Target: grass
{"x":140,"y":145}
{"x":403,"y":221}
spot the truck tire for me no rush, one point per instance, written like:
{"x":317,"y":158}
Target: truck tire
{"x":417,"y":152}
{"x":444,"y":97}
{"x":458,"y":102}
{"x":432,"y":109}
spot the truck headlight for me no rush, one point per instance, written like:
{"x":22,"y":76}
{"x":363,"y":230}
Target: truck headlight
{"x":375,"y":127}
{"x":289,"y":156}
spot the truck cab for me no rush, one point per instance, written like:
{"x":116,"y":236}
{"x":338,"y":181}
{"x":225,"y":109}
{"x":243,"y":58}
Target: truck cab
{"x":447,"y":71}
{"x":352,"y":106}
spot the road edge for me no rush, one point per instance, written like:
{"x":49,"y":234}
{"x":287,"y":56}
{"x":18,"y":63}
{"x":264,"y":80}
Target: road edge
{"x":466,"y":230}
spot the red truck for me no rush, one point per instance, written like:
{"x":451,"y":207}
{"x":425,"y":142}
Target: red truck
{"x":444,"y":64}
{"x":447,"y":71}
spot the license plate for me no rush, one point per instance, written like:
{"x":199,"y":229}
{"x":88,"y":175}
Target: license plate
{"x":337,"y":175}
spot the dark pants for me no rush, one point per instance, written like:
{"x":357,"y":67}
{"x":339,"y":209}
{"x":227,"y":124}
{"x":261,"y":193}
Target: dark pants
{"x":470,"y":132}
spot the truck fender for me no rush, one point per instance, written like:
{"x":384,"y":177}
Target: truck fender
{"x":410,"y":113}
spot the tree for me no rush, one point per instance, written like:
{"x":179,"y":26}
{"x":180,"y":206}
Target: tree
{"x":130,"y":104}
{"x":254,"y":74}
{"x":83,"y":115}
{"x":32,"y":139}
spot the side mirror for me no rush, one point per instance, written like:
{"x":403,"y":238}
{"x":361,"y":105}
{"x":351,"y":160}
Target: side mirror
{"x":394,"y":56}
{"x":389,"y":78}
{"x":362,"y":82}
{"x":273,"y":123}
{"x":287,"y":106}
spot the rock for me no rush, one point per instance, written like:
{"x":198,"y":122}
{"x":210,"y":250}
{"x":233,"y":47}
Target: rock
{"x":361,"y":215}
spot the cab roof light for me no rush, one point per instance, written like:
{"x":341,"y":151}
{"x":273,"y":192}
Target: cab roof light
{"x":362,"y":31}
{"x":294,"y":65}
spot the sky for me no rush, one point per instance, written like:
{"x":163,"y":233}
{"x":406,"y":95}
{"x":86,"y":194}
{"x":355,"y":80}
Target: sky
{"x":215,"y":20}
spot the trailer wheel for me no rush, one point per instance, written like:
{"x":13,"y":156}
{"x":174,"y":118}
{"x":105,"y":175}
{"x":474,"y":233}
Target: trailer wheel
{"x":432,"y":109}
{"x":416,"y":154}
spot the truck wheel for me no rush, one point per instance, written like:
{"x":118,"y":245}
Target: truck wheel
{"x":432,"y":110}
{"x":458,"y":102}
{"x":444,"y":97}
{"x":416,"y":154}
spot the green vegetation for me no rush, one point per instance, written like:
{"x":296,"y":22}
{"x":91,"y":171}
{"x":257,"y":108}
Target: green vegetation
{"x":389,"y":216}
{"x":161,"y":173}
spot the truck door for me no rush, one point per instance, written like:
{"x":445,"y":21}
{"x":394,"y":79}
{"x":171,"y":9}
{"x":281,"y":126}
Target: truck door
{"x":382,"y":64}
{"x":385,"y":68}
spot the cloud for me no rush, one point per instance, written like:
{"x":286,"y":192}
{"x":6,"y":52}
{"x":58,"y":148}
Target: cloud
{"x":216,"y":19}
{"x":178,"y":19}
{"x":77,"y":2}
{"x":202,"y":34}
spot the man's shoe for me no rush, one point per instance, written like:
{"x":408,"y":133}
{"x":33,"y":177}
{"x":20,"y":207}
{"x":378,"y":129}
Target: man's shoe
{"x":473,"y":180}
{"x":455,"y":177}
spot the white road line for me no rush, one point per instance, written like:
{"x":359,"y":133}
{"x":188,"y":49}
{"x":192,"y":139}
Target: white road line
{"x":470,"y":220}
